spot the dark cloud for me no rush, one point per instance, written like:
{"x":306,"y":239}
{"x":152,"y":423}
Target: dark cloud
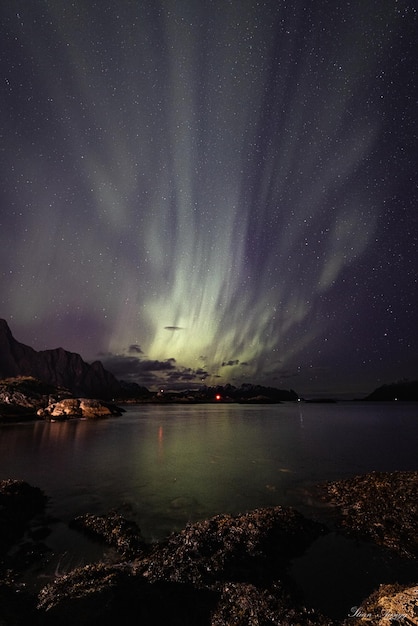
{"x":132,"y":368}
{"x":157,"y":366}
{"x":153,"y":373}
{"x":134,"y":348}
{"x":186,"y":374}
{"x":230,"y":363}
{"x":202,"y":373}
{"x":173,"y":328}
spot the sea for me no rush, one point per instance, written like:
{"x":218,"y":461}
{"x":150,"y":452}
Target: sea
{"x":165,"y":466}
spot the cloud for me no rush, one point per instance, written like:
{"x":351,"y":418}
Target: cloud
{"x":153,"y":373}
{"x":186,"y":374}
{"x":230,"y":363}
{"x":134,"y":348}
{"x":157,"y":366}
{"x":173,"y":328}
{"x":131,"y":367}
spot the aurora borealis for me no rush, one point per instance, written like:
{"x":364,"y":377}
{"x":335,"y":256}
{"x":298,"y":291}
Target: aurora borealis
{"x":211,"y":192}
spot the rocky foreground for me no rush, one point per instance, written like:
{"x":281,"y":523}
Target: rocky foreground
{"x":27,"y":398}
{"x":225,"y":571}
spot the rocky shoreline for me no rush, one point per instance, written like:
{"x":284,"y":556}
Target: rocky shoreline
{"x":26,"y":398}
{"x":225,"y":571}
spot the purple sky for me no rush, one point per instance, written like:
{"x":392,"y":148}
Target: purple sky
{"x":212,"y":192}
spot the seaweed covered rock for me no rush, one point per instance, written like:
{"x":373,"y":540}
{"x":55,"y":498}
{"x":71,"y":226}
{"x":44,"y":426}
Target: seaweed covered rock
{"x":253,"y":547}
{"x":390,"y":605}
{"x":380,"y":506}
{"x":183,"y":580}
{"x":242,"y":604}
{"x":84,"y":594}
{"x":19,"y":503}
{"x":114,"y":530}
{"x":106,"y":595}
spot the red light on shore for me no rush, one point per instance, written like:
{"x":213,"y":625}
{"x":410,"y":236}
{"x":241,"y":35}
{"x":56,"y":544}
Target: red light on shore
{"x":217,"y":397}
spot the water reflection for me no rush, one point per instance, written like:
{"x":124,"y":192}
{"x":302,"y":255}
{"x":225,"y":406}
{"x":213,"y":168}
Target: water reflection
{"x":174,"y":464}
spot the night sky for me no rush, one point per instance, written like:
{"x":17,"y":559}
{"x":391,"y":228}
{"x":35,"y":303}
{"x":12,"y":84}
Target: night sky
{"x":213,"y":191}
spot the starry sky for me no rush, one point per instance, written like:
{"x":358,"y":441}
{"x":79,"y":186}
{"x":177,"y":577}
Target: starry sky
{"x":213,"y":191}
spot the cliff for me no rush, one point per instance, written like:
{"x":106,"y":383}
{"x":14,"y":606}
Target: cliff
{"x":57,"y":367}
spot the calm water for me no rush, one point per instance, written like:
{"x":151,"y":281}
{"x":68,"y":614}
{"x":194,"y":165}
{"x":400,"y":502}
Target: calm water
{"x":173,"y":464}
{"x":167,"y":465}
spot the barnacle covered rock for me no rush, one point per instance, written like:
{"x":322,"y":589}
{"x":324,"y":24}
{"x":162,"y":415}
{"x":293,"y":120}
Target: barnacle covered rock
{"x":380,"y":506}
{"x":242,"y":604}
{"x":114,"y":530}
{"x":390,"y":605}
{"x":252,"y":547}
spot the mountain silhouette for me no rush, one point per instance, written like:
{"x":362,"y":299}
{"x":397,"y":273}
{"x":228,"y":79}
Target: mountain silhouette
{"x":56,"y":367}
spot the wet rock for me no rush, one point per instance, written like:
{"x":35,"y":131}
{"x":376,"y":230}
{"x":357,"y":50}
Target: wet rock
{"x":381,"y":506}
{"x":79,"y":407}
{"x":390,"y":605}
{"x":242,"y":604}
{"x":253,"y":547}
{"x":114,"y":530}
{"x":182,"y":580}
{"x":19,"y":503}
{"x":85,"y":593}
{"x":108,"y":595}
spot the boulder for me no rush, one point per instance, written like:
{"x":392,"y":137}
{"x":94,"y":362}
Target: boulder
{"x":380,"y":506}
{"x":217,"y":572}
{"x":242,"y":604}
{"x":79,"y":407}
{"x":23,"y":396}
{"x":254,"y":547}
{"x":106,"y":595}
{"x":390,"y":605}
{"x":114,"y":530}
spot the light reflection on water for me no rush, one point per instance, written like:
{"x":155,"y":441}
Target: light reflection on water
{"x":168,"y":465}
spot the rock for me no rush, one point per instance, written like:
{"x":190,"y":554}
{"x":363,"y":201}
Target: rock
{"x":79,"y":407}
{"x":254,"y":547}
{"x":108,"y":595}
{"x":242,"y":604}
{"x":85,"y":592}
{"x":22,"y":397}
{"x":114,"y":530}
{"x":381,"y":506}
{"x":182,"y":581}
{"x":390,"y":605}
{"x":19,"y":503}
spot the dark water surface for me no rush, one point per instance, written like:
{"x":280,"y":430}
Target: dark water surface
{"x":167,"y":465}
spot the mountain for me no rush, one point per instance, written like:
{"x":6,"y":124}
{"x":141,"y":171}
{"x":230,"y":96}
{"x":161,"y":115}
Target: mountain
{"x":402,"y":390}
{"x":56,"y":367}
